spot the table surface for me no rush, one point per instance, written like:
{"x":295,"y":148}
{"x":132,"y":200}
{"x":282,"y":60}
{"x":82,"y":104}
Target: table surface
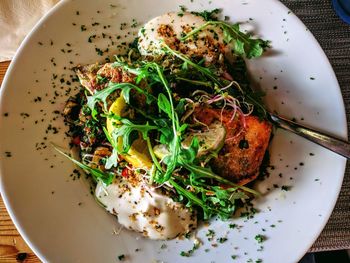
{"x":334,"y":37}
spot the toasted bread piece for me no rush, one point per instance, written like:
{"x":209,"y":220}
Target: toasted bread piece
{"x":89,"y":74}
{"x":245,"y":145}
{"x":96,"y":77}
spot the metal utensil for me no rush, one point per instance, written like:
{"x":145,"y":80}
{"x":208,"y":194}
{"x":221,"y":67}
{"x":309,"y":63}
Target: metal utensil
{"x":331,"y":143}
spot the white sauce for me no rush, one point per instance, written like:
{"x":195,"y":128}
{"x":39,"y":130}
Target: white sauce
{"x":152,"y":35}
{"x":145,"y":210}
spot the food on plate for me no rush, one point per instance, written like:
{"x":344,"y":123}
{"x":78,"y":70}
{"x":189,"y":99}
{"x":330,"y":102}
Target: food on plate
{"x":170,"y":27}
{"x":172,"y":132}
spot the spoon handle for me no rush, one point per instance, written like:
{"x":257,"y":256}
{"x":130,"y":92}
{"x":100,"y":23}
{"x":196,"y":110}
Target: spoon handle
{"x":336,"y":145}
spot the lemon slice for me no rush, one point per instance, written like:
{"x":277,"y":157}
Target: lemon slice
{"x":161,"y":150}
{"x":138,"y":154}
{"x":210,"y":140}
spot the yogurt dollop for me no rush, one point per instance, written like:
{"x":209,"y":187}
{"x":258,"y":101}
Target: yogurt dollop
{"x":146,"y":210}
{"x":170,"y":27}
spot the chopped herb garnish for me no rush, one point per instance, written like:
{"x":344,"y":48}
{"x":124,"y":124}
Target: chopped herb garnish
{"x":260,"y":238}
{"x":210,"y":234}
{"x":123,"y":26}
{"x":221,"y":240}
{"x":208,"y":15}
{"x":121,"y":257}
{"x":99,"y":51}
{"x":232,"y":226}
{"x":286,"y":188}
{"x":182,"y":11}
{"x":134,"y":23}
{"x":190,"y":252}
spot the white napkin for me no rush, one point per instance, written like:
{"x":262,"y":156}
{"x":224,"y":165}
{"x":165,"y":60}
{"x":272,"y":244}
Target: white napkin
{"x":17,"y":17}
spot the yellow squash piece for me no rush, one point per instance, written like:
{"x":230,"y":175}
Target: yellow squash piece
{"x":138,"y":155}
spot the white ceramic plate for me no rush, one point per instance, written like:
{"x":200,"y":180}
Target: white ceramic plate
{"x":59,"y":218}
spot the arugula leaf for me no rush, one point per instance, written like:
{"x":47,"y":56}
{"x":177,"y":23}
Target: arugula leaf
{"x":153,"y":72}
{"x":143,"y":71}
{"x":189,"y":154}
{"x":96,"y":174}
{"x":112,"y":160}
{"x":230,"y":194}
{"x":189,"y":196}
{"x":208,"y":15}
{"x":153,"y":156}
{"x":205,"y":71}
{"x":202,"y":172}
{"x":166,"y":135}
{"x":102,"y":95}
{"x":175,"y":144}
{"x":126,"y":93}
{"x":197,"y":82}
{"x":238,"y":47}
{"x":128,"y":131}
{"x":164,"y":104}
{"x":243,"y":44}
{"x":101,"y":80}
{"x":239,"y":72}
{"x":180,"y":107}
{"x":198,"y":196}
